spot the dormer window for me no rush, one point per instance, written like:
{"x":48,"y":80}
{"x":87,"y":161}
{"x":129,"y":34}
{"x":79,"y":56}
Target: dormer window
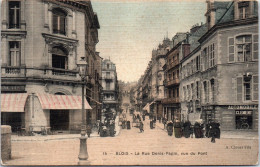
{"x":59,"y":21}
{"x":243,"y":8}
{"x":14,"y":14}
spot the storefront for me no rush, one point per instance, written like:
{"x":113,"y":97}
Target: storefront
{"x":33,"y":112}
{"x":232,"y":117}
{"x":208,"y":114}
{"x":12,"y":110}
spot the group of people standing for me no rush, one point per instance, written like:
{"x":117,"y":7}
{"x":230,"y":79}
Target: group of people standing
{"x":186,"y":129}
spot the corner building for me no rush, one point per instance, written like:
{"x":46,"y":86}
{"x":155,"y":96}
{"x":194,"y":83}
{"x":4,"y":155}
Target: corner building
{"x":229,"y":65}
{"x":42,"y":43}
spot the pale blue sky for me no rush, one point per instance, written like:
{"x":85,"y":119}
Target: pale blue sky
{"x":130,"y":30}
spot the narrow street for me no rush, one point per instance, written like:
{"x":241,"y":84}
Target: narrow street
{"x":130,"y":147}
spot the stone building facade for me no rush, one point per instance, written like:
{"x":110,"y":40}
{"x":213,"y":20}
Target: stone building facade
{"x":41,"y":45}
{"x":220,"y":77}
{"x":171,"y":103}
{"x":110,"y":86}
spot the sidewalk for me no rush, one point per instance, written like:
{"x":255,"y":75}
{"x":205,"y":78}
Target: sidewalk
{"x":236,"y":134}
{"x":39,"y":137}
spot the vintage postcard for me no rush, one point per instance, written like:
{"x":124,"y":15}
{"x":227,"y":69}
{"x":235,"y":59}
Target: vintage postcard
{"x":129,"y":82}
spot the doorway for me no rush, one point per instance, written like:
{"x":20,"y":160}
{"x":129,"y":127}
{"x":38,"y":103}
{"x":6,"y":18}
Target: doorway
{"x":13,"y":119}
{"x":59,"y":119}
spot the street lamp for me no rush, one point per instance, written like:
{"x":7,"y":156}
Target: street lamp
{"x":83,"y":153}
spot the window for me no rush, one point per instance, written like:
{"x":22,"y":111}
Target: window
{"x":244,"y":48}
{"x":59,"y":21}
{"x":177,"y":90}
{"x":173,"y":75}
{"x":212,"y":85}
{"x":169,"y":93}
{"x":14,"y":14}
{"x":15,"y":57}
{"x":212,"y":56}
{"x":107,"y":85}
{"x":197,"y":63}
{"x":59,"y":58}
{"x":184,"y":93}
{"x":192,"y":91}
{"x":107,"y":74}
{"x":243,"y":8}
{"x":197,"y":89}
{"x":107,"y":66}
{"x":206,"y":93}
{"x":247,"y":88}
{"x":173,"y":93}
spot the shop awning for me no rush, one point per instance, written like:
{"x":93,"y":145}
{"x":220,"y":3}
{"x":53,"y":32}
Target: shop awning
{"x":13,"y":102}
{"x":61,"y":102}
{"x":147,"y":106}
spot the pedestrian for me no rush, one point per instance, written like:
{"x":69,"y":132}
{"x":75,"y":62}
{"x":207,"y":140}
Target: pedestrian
{"x":187,"y":129}
{"x":170,"y":128}
{"x":141,"y":127}
{"x":177,"y":129}
{"x":143,"y":117}
{"x":151,"y":124}
{"x":164,"y":122}
{"x":213,"y":131}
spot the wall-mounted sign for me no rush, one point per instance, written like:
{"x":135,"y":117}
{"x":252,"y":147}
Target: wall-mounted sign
{"x":243,"y":106}
{"x":12,"y":88}
{"x":240,"y":112}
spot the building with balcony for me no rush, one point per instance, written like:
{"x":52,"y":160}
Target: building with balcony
{"x":41,"y":45}
{"x":171,"y":103}
{"x":110,"y":86}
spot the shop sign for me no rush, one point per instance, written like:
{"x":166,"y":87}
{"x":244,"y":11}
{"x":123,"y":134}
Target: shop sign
{"x":243,"y":107}
{"x":244,"y":112}
{"x":12,"y":88}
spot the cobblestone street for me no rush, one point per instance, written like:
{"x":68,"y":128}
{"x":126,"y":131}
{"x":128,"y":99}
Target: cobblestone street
{"x":153,"y":147}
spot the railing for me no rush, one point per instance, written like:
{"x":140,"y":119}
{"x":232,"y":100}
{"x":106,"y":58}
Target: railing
{"x":63,"y":72}
{"x":40,"y":73}
{"x":172,"y":82}
{"x":171,"y":100}
{"x":13,"y":71}
{"x":108,"y":77}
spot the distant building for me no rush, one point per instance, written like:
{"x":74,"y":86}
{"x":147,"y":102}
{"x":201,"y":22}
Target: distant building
{"x":110,"y":86}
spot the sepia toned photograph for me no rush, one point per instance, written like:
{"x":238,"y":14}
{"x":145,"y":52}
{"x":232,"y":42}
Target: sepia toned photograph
{"x":129,"y":82}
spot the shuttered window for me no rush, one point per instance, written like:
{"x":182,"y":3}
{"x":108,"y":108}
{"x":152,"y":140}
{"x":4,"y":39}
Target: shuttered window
{"x":231,"y":56}
{"x":255,"y":47}
{"x":239,"y":88}
{"x":255,"y":88}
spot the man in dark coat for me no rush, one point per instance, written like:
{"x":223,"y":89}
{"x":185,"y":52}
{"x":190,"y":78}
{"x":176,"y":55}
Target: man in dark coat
{"x":178,"y":129}
{"x":141,"y":127}
{"x":151,"y":124}
{"x":187,"y":129}
{"x":213,"y":131}
{"x":143,"y":117}
{"x":198,"y":130}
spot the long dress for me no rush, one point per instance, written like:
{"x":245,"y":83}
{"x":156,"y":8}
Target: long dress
{"x":177,"y":130}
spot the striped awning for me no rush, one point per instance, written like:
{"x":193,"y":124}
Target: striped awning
{"x":13,"y":102}
{"x":61,"y":102}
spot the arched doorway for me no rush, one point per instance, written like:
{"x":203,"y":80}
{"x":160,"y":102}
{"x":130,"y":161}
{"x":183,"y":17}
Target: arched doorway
{"x":59,"y":119}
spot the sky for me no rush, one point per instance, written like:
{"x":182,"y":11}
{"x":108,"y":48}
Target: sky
{"x":131,"y":29}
